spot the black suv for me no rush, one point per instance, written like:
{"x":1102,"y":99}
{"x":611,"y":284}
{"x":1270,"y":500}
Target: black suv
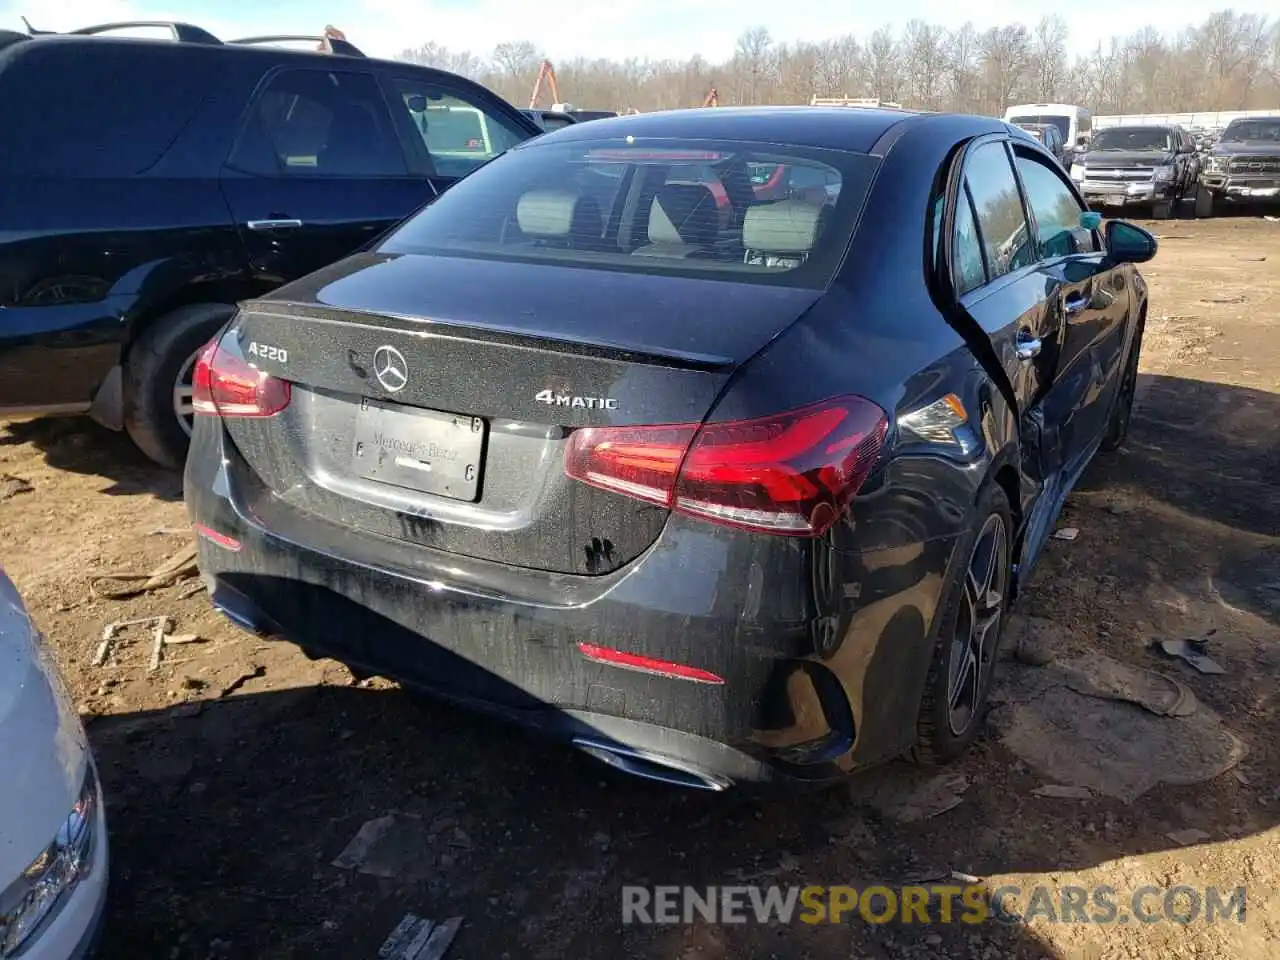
{"x":147,"y":186}
{"x":1243,"y":165}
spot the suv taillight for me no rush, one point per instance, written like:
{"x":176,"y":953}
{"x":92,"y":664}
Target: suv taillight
{"x":224,"y":385}
{"x":791,"y":473}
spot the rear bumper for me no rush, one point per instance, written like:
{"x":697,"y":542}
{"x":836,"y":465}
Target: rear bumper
{"x":702,"y":596}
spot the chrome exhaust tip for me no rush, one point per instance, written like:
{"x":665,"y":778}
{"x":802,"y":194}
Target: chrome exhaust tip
{"x":653,"y":766}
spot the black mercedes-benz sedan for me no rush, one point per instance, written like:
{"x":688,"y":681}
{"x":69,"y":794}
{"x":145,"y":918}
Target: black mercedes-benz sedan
{"x":717,"y":487}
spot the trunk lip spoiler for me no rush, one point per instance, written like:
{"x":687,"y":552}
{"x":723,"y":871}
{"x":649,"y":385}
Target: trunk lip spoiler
{"x":427,"y":328}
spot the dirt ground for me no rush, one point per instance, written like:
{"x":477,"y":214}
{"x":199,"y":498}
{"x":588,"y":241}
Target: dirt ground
{"x":237,"y":771}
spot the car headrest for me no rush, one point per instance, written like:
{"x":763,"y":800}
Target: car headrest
{"x":560,"y":214}
{"x":788,"y":226}
{"x":684,"y":213}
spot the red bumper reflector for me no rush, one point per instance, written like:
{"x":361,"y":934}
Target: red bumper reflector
{"x":633,"y":661}
{"x":218,"y":539}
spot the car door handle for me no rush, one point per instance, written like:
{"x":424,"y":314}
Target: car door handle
{"x":1074,"y":304}
{"x":1027,"y":346}
{"x":267,"y":225}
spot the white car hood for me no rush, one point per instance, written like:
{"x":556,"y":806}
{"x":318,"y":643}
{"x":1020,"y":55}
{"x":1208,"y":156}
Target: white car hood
{"x":43,"y":750}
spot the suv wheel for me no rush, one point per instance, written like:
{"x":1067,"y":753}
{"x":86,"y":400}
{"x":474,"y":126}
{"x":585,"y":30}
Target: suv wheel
{"x":967,"y":641}
{"x":157,"y":380}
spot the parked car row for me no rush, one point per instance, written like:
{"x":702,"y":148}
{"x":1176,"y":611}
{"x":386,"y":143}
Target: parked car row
{"x":1160,"y":165}
{"x":714,"y":443}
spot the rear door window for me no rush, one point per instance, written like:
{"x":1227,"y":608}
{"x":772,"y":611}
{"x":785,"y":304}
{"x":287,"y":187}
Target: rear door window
{"x":319,"y":123}
{"x":966,"y":249}
{"x":681,"y":207}
{"x":458,"y":133}
{"x":1006,"y":236}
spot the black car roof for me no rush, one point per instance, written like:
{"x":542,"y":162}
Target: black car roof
{"x":843,"y":128}
{"x":262,"y":51}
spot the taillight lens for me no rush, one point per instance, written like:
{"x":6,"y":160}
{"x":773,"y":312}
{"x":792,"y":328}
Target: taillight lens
{"x":791,"y":473}
{"x":227,"y":386}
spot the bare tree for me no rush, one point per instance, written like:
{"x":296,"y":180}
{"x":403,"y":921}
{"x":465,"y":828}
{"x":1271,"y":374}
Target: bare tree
{"x":883,"y":73}
{"x":1006,"y":57}
{"x":924,"y":60}
{"x":1049,"y":48}
{"x":520,"y":59}
{"x":751,"y":61}
{"x":1228,"y":61}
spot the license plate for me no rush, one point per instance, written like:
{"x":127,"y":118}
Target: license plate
{"x":423,"y":450}
{"x":1117,"y":200}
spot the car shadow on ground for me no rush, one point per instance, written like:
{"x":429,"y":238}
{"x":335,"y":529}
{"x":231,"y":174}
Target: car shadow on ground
{"x":225,"y":821}
{"x":1206,"y":453}
{"x":79,"y":445}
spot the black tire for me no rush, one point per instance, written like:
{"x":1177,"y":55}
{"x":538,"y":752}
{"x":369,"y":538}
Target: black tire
{"x":151,"y":368}
{"x":1204,"y":202}
{"x":1122,"y":412}
{"x":940,"y":737}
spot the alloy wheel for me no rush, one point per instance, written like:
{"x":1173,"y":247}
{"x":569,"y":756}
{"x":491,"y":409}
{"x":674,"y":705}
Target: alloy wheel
{"x":977,"y":629}
{"x":182,"y":393}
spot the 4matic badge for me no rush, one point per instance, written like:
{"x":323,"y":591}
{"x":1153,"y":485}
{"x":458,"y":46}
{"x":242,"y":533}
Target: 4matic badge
{"x":554,"y":399}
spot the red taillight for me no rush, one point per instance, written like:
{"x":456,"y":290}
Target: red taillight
{"x":227,"y":386}
{"x":790,"y":473}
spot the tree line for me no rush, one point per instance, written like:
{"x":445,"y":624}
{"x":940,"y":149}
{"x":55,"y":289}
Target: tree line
{"x":1230,"y":61}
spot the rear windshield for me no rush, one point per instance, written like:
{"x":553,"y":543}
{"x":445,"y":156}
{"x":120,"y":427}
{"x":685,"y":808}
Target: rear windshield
{"x":1264,"y":128}
{"x":1133,"y":138}
{"x":713,"y":208}
{"x":1049,"y":120}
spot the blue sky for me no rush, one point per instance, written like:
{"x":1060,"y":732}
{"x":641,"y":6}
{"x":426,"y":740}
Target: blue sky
{"x":565,"y":28}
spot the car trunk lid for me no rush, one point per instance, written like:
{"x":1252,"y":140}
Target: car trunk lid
{"x":432,"y":397}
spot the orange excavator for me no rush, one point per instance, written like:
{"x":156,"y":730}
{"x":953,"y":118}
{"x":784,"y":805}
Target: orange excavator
{"x":547,"y":75}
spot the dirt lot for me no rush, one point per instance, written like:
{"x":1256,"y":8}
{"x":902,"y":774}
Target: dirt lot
{"x":237,"y":771}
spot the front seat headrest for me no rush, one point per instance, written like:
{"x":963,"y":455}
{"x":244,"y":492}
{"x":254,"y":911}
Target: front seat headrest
{"x":560,"y":215}
{"x":786,"y":227}
{"x":684,"y":213}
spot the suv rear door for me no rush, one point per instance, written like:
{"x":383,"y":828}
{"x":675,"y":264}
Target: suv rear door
{"x":317,"y":171}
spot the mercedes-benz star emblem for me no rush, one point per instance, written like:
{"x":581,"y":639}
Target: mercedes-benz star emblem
{"x":391,"y":369}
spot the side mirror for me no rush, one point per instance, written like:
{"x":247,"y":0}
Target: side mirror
{"x":1082,"y":142}
{"x":1129,"y":243}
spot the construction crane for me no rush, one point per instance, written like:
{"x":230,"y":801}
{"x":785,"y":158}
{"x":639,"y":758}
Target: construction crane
{"x":547,"y":75}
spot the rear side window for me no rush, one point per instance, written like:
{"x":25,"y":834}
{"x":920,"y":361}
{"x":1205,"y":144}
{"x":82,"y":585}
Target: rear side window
{"x":1006,"y":239}
{"x":319,"y":123}
{"x":684,"y":208}
{"x":73,"y":110}
{"x":459,"y":134}
{"x":966,"y":249}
